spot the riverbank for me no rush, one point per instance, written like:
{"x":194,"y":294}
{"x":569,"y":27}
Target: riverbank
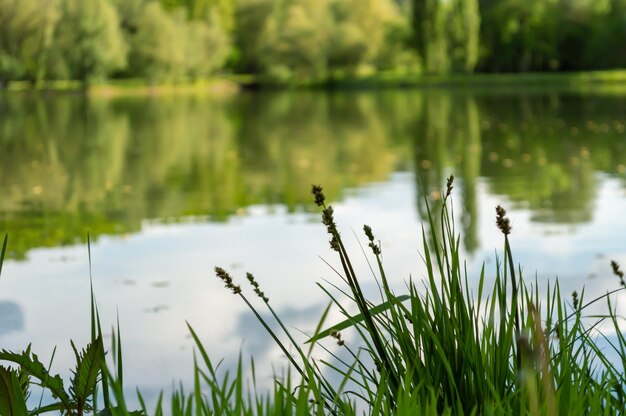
{"x":477,"y":80}
{"x":219,"y":87}
{"x":230,"y":84}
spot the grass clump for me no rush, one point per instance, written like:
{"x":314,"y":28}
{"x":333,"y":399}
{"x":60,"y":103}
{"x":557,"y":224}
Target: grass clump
{"x":438,"y":347}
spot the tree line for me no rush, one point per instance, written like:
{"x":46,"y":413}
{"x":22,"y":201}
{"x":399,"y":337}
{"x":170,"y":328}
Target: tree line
{"x":174,"y":40}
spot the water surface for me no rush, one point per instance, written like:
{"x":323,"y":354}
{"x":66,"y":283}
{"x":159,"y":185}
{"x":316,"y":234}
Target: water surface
{"x":169,"y":187}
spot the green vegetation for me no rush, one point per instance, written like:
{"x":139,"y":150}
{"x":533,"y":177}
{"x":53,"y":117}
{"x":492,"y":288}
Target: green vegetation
{"x":442,"y":349}
{"x":303,"y":41}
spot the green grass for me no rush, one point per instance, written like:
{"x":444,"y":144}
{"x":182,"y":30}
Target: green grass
{"x":391,"y":79}
{"x":438,"y":347}
{"x":132,"y":87}
{"x":607,"y":80}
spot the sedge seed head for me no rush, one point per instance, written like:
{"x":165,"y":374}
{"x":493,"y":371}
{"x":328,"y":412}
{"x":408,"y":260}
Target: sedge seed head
{"x":256,"y":288}
{"x":318,"y":195}
{"x":618,"y":272}
{"x":502,"y":221}
{"x":337,"y":336}
{"x":375,"y":248}
{"x":616,"y":269}
{"x":368,"y":232}
{"x":575,"y":300}
{"x":328,"y":217}
{"x":228,"y":280}
{"x":449,"y":185}
{"x":370,"y":236}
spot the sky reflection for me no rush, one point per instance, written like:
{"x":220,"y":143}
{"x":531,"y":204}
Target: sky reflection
{"x":54,"y":295}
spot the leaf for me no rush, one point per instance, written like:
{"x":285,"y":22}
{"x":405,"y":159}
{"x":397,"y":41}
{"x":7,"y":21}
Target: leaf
{"x":58,"y":407}
{"x":12,"y":401}
{"x":351,"y":321}
{"x":88,"y":366}
{"x":30,"y":364}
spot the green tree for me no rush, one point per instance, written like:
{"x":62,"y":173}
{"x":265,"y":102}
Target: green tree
{"x":128,"y":12}
{"x":523,"y":35}
{"x":428,"y":20}
{"x":207,"y":48}
{"x":464,"y":32}
{"x":168,"y":47}
{"x":294,"y":39}
{"x":617,"y":26}
{"x":250,"y":19}
{"x":26,"y":29}
{"x":89,"y":40}
{"x":159,"y":45}
{"x":360,"y":31}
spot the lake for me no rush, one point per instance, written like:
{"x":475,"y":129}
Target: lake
{"x":169,"y":187}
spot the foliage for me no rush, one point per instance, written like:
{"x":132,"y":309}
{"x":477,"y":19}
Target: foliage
{"x":156,"y":52}
{"x":303,"y":41}
{"x":90,"y":372}
{"x":167,"y":47}
{"x":26,"y":35}
{"x":89,"y":39}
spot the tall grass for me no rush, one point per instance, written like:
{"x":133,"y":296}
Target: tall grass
{"x":439,"y":347}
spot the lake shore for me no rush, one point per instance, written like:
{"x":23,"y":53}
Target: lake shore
{"x":231,"y":84}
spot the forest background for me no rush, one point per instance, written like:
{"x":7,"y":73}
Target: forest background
{"x":168,"y":41}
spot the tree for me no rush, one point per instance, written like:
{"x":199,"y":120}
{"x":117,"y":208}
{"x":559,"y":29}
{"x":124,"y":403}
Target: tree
{"x":428,"y":21}
{"x":522,"y":35}
{"x":167,"y":46}
{"x":159,"y":45}
{"x":250,"y":21}
{"x":207,"y":48}
{"x":89,"y":39}
{"x":464,"y":33}
{"x":360,"y":33}
{"x":26,"y":28}
{"x":294,"y":39}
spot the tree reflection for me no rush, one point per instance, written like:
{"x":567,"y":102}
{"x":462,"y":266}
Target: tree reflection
{"x":69,"y":164}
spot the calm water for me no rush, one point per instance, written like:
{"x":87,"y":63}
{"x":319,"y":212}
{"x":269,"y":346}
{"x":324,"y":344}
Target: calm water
{"x":170,"y":187}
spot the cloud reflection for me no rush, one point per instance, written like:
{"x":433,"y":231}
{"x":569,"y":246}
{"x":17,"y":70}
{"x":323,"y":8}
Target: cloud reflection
{"x":11,"y":317}
{"x":259,"y":342}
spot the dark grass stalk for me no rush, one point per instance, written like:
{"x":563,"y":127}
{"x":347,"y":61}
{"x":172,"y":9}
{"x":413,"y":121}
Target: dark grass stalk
{"x":96,"y":332}
{"x":3,"y":251}
{"x":337,"y":245}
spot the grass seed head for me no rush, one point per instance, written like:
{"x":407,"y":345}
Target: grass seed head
{"x":227,"y":279}
{"x":256,"y":288}
{"x":318,"y":195}
{"x":328,"y":218}
{"x":337,"y":336}
{"x":575,"y":300}
{"x":449,"y":185}
{"x":329,"y":221}
{"x":502,"y":221}
{"x":370,"y":236}
{"x":618,"y":272}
